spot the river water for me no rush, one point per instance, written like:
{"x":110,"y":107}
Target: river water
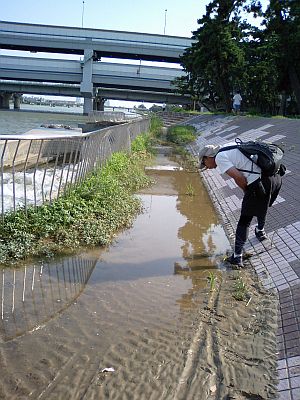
{"x":33,"y":116}
{"x":113,"y":323}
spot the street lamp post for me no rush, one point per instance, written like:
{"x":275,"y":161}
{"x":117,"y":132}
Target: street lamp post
{"x":165,"y":21}
{"x":82,"y":14}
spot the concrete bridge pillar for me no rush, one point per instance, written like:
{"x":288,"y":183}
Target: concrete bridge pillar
{"x":87,"y":105}
{"x":17,"y":100}
{"x":4,"y":100}
{"x":86,"y":86}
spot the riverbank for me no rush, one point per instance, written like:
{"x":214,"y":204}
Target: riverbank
{"x":153,"y":316}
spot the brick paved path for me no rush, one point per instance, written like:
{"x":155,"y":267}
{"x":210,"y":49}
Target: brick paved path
{"x":276,"y":261}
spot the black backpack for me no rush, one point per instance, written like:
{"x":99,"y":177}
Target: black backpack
{"x":267,"y":156}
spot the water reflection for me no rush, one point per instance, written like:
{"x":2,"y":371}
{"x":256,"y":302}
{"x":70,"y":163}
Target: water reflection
{"x":201,"y":240}
{"x":35,"y":294}
{"x":176,"y":241}
{"x":204,"y":240}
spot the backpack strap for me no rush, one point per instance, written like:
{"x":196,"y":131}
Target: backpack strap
{"x":236,"y":146}
{"x":247,"y":170}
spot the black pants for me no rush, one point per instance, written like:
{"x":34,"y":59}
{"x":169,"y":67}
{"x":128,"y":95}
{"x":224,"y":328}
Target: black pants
{"x":259,"y":196}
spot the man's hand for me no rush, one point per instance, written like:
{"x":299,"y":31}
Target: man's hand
{"x":238,"y":177}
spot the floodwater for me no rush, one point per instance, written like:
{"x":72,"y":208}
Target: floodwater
{"x":114,"y":323}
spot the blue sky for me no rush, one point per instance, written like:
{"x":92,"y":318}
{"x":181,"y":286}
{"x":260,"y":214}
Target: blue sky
{"x":128,"y":15}
{"x":132,"y":15}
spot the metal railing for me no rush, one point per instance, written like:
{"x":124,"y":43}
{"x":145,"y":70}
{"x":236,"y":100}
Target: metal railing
{"x":41,"y":165}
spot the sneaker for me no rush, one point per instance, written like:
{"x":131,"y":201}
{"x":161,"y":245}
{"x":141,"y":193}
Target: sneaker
{"x":261,"y":235}
{"x":236,"y":261}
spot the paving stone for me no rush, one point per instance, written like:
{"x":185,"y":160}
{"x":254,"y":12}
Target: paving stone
{"x":294,"y":371}
{"x":284,"y":384}
{"x":285,"y":395}
{"x":277,"y":261}
{"x":295,"y":394}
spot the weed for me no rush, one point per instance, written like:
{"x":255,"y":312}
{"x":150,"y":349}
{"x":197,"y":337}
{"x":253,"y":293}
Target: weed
{"x":181,"y":134}
{"x":212,"y":279}
{"x":190,"y":190}
{"x":189,"y":162}
{"x":156,"y":126}
{"x":240,"y":290}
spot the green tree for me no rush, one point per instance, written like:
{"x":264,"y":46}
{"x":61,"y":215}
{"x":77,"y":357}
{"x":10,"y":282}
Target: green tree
{"x":261,"y":74}
{"x":215,"y":62}
{"x":282,"y":23}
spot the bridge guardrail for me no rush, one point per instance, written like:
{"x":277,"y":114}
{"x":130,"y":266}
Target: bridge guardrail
{"x":40,"y":165}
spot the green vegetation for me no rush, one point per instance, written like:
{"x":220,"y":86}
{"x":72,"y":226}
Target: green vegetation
{"x":156,"y":126}
{"x":240,"y":290}
{"x":262,"y":61}
{"x":181,"y":134}
{"x":190,"y":190}
{"x":177,"y":136}
{"x":186,"y":160}
{"x":89,"y":215}
{"x":212,"y":279}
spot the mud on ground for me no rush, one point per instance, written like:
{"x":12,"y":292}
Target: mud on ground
{"x":225,"y":350}
{"x":157,"y":320}
{"x":233,"y":352}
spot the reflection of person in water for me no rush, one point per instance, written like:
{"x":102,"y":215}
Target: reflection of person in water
{"x":196,"y":247}
{"x":197,"y":235}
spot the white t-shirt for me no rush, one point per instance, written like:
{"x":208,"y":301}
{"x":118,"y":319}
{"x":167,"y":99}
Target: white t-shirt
{"x":235,"y":158}
{"x":237,"y":98}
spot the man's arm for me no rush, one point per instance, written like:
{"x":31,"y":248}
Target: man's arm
{"x":238,"y":177}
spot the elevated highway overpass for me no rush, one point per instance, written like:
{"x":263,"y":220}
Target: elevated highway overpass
{"x":106,"y":80}
{"x":89,"y":73}
{"x":73,"y":90}
{"x":104,"y":43}
{"x":105,"y":74}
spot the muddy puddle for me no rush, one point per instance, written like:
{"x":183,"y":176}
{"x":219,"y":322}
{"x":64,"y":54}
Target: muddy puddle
{"x":116,"y":323}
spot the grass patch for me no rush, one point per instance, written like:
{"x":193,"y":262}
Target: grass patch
{"x":156,"y":126}
{"x":89,"y":215}
{"x":181,"y":134}
{"x":240,"y":290}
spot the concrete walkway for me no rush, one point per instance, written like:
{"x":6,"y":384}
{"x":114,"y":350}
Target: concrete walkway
{"x":276,"y":261}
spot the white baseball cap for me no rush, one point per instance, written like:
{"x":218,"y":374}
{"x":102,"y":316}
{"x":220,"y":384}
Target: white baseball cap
{"x":209,"y":150}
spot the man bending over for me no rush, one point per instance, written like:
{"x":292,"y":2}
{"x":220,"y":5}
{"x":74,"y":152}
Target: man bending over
{"x":260,"y":192}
